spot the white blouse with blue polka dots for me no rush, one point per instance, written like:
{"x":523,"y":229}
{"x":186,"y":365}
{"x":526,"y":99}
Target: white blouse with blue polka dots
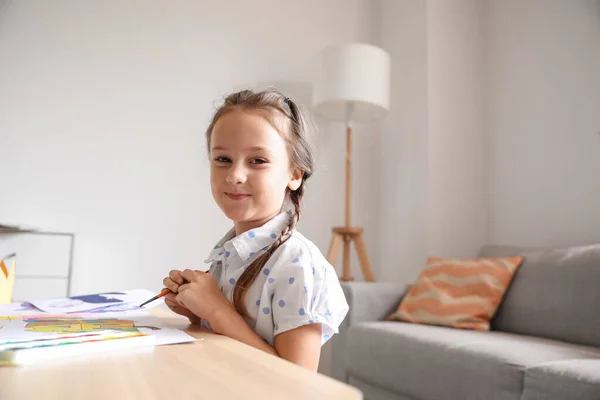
{"x":297,"y":286}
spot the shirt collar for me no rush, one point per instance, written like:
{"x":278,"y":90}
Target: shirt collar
{"x":249,"y":243}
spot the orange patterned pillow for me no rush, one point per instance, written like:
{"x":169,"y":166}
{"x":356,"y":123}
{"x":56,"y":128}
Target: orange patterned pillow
{"x":461,"y":293}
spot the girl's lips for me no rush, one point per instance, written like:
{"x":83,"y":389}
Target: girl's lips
{"x":237,"y":196}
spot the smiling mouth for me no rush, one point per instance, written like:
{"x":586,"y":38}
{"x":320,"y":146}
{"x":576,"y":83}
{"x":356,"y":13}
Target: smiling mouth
{"x":237,"y":196}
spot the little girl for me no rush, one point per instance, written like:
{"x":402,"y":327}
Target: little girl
{"x":268,"y":286}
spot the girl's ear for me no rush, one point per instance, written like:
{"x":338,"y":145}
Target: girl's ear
{"x":295,"y":179}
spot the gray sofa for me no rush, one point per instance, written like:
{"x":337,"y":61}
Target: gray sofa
{"x":544,"y":341}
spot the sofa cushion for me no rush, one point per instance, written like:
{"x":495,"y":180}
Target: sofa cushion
{"x":459,"y":293}
{"x":560,"y":380}
{"x":554,"y":294}
{"x":431,"y":362}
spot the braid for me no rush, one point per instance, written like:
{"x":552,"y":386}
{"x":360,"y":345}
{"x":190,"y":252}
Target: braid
{"x":296,"y":197}
{"x":248,"y":277}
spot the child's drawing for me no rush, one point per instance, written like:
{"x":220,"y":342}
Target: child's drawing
{"x":18,"y":309}
{"x":114,"y":301}
{"x":78,"y":325}
{"x":100,"y":299}
{"x":42,"y":327}
{"x":26,"y":307}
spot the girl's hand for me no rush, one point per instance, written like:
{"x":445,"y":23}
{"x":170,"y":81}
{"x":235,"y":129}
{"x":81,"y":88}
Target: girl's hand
{"x":178,"y":309}
{"x":202,"y":295}
{"x":172,"y":283}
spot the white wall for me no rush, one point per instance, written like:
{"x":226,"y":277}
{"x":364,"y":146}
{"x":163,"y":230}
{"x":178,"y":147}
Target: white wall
{"x":103,"y":106}
{"x":458,"y":186}
{"x":544,"y":120}
{"x":494,"y":130}
{"x":404,"y":141}
{"x":102,"y":111}
{"x":434,"y":175}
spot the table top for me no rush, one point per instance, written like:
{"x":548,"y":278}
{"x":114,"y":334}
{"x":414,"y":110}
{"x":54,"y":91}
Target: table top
{"x":214,"y":367}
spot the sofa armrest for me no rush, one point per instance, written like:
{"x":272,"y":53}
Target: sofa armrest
{"x":368,"y":301}
{"x":371,"y":301}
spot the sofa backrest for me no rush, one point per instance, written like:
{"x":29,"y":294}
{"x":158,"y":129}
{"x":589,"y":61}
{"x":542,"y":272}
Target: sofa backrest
{"x":555,"y":293}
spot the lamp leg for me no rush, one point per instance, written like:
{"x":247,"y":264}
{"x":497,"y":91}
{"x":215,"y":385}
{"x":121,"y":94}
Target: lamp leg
{"x":347,"y":233}
{"x":348,"y":173}
{"x":334,"y":247}
{"x":365,"y":265}
{"x":346,"y":271}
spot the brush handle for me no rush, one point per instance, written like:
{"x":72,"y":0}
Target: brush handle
{"x":161,"y":294}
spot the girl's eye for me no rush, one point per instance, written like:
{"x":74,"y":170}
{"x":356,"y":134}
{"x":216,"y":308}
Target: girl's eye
{"x":222,"y":159}
{"x":259,"y":161}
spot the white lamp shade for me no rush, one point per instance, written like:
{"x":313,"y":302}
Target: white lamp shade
{"x":354,"y":75}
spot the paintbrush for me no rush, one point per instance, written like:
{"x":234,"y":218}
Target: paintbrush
{"x":162,"y":294}
{"x":158,"y":296}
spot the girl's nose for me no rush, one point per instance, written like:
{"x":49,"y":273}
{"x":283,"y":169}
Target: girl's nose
{"x":236,"y":175}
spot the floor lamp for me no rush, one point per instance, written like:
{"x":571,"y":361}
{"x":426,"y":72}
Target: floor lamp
{"x":352,"y":84}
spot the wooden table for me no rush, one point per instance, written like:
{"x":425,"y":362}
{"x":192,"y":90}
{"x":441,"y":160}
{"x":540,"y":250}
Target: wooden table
{"x":216,"y":367}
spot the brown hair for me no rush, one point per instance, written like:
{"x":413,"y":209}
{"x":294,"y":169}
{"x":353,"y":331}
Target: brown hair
{"x":297,"y":135}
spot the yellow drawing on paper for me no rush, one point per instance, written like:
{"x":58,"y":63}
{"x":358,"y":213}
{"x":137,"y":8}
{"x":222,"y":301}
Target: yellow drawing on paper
{"x":78,"y":325}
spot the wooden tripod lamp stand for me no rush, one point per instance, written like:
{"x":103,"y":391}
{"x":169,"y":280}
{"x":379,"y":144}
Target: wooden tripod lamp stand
{"x":352,"y":84}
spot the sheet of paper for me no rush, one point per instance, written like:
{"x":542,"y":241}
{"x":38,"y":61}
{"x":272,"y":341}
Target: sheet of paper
{"x":44,"y":337}
{"x":38,"y":354}
{"x":124,"y":300}
{"x":44,"y":326}
{"x":18,"y":309}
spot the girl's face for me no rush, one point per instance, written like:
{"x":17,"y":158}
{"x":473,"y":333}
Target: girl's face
{"x":250,"y":168}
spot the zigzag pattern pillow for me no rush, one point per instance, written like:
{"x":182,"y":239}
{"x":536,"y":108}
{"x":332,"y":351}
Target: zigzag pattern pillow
{"x":459,"y":293}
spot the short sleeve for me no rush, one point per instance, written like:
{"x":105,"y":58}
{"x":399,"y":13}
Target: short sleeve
{"x":307,"y":290}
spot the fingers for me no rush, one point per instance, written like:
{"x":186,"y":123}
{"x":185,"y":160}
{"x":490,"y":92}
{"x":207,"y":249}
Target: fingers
{"x":171,"y":285}
{"x":188,"y":275}
{"x":179,"y":300}
{"x":183,"y":288}
{"x":172,"y":304}
{"x":175,"y":276}
{"x":170,"y":298}
{"x":177,"y":282}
